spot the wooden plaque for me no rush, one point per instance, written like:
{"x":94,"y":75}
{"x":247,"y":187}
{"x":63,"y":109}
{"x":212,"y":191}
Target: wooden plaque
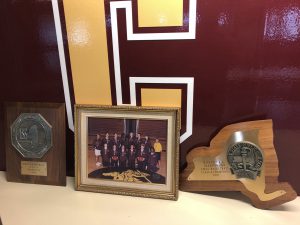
{"x":218,"y":168}
{"x":48,"y":164}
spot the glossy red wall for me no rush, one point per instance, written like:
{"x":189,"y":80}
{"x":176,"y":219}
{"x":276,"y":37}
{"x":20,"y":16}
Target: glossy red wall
{"x":245,"y":60}
{"x":30,"y":68}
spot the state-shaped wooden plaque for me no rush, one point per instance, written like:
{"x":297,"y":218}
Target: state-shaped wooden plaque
{"x":241,"y":157}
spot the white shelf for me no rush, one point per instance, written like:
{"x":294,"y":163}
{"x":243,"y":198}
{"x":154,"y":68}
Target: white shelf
{"x":27,"y":204}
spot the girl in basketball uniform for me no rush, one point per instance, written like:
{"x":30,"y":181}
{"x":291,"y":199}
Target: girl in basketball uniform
{"x":97,"y":149}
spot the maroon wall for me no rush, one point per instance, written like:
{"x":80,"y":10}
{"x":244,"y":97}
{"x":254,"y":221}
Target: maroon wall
{"x":246,"y":64}
{"x":102,"y":126}
{"x":30,"y":68}
{"x":153,"y":129}
{"x":245,"y":60}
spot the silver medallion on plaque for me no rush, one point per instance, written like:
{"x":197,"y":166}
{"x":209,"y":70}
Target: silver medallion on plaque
{"x":244,"y":155}
{"x":31,"y":135}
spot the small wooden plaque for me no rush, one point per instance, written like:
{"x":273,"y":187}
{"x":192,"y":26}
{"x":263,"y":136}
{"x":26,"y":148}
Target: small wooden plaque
{"x":50,"y":167}
{"x":210,"y":168}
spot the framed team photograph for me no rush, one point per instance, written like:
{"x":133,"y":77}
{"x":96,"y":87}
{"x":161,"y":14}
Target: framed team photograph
{"x":127,"y":150}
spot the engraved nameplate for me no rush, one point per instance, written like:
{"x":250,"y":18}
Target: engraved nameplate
{"x":34,"y":168}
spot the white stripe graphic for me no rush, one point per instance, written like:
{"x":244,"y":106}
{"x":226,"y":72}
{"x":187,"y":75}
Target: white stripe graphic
{"x":169,"y":80}
{"x":127,"y":5}
{"x":62,"y":60}
{"x":191,"y":34}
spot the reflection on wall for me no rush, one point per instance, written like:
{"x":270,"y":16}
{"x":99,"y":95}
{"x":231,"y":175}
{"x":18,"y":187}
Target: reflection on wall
{"x":282,"y":24}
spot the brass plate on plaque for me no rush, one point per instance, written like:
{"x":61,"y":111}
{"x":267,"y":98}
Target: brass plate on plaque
{"x":211,"y":168}
{"x":34,"y":168}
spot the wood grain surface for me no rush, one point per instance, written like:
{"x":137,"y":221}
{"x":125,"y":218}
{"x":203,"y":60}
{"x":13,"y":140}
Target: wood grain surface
{"x":271,"y":171}
{"x":55,"y":158}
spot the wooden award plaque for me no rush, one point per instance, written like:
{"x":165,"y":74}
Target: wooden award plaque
{"x":241,"y":157}
{"x":35,"y":143}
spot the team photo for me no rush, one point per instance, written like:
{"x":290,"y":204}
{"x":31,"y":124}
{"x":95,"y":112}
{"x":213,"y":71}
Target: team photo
{"x":127,"y":150}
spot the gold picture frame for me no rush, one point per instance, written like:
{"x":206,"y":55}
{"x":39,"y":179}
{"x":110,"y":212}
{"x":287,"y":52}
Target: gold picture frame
{"x":102,"y":153}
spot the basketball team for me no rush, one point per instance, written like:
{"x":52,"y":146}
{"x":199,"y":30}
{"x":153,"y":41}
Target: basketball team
{"x":127,"y":151}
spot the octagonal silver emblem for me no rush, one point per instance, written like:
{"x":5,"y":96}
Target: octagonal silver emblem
{"x":31,"y":135}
